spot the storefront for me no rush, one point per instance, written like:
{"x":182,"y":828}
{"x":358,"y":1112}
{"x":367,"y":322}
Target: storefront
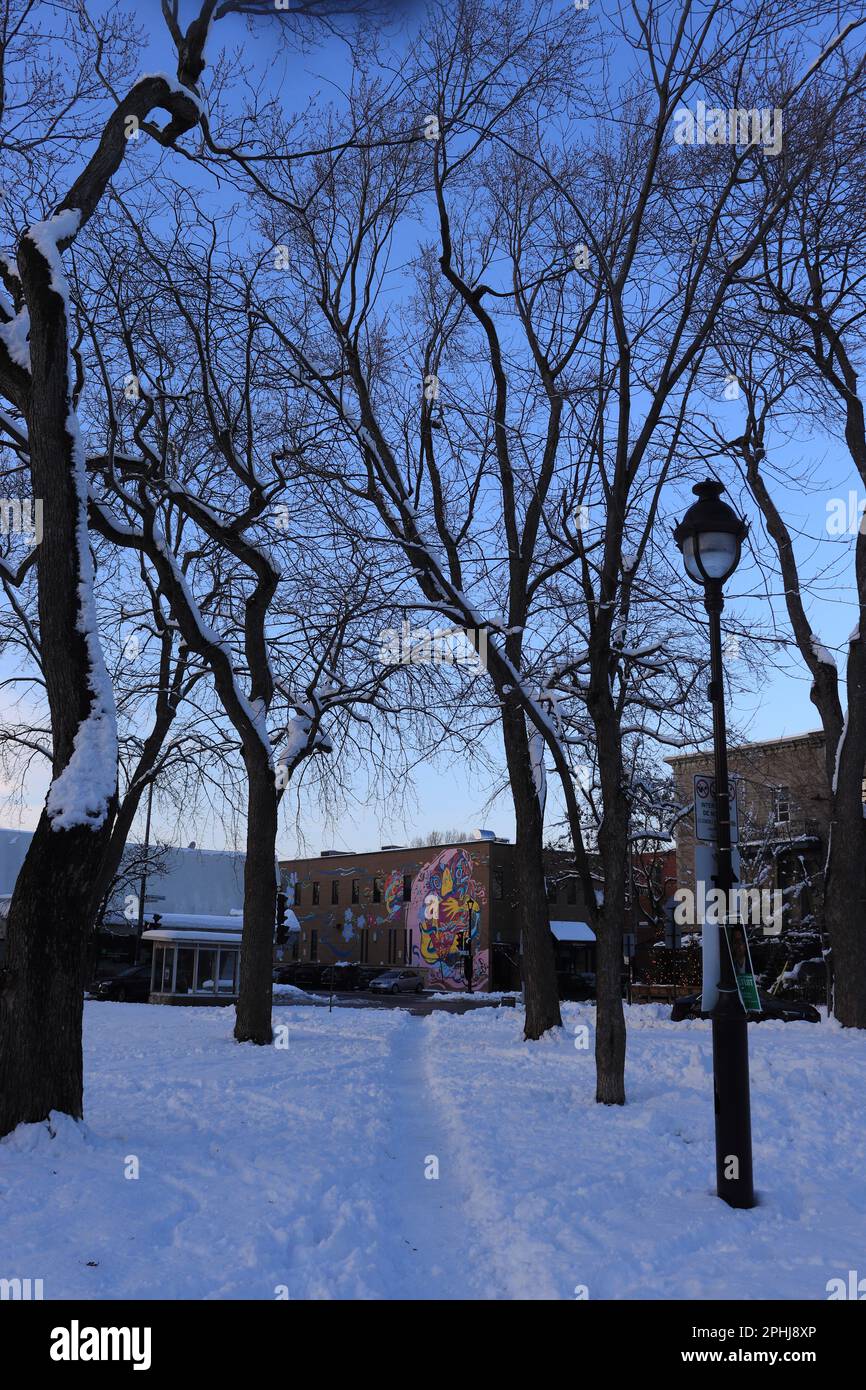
{"x":574,"y":948}
{"x":195,"y":960}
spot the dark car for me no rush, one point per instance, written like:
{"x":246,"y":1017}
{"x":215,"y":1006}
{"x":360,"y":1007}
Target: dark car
{"x":339,"y":977}
{"x":576,"y":985}
{"x":132,"y":984}
{"x":308,"y":975}
{"x":788,"y":1010}
{"x":807,"y":981}
{"x":285,"y":974}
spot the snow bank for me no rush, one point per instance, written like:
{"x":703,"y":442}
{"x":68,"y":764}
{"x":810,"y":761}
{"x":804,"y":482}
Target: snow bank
{"x":311,"y":1166}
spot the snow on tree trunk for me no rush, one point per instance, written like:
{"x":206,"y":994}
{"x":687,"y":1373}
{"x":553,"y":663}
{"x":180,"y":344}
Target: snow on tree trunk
{"x":54,"y":899}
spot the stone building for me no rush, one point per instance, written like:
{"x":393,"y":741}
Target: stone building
{"x":783,"y":808}
{"x":408,"y":906}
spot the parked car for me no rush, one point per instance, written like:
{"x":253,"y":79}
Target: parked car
{"x":308,"y":975}
{"x":577,"y":985}
{"x":337,"y":977}
{"x":397,"y":982}
{"x":807,"y":980}
{"x":285,"y":974}
{"x":788,"y":1010}
{"x":132,"y":984}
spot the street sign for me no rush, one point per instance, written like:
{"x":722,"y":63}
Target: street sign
{"x":706,"y":868}
{"x":705,"y":809}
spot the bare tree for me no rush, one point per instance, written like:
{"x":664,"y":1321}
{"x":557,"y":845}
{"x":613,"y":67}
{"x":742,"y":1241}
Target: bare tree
{"x":514,"y":429}
{"x":795,"y":338}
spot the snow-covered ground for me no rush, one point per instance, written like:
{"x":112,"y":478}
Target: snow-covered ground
{"x":302,"y":1168}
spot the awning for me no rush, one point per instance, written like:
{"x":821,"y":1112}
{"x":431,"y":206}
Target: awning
{"x":572,"y":931}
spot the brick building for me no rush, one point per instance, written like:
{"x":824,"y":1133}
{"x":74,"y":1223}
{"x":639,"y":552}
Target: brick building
{"x":405,"y":906}
{"x":784,"y":817}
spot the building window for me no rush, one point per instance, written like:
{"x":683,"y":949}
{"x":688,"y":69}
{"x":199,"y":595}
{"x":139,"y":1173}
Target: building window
{"x":314,"y":944}
{"x":782,"y":805}
{"x":365,"y":945}
{"x":377,"y":890}
{"x":356,"y":891}
{"x":571,"y":892}
{"x":498,"y":887}
{"x":552,"y":890}
{"x":392,"y":945}
{"x":315,"y":893}
{"x":297,"y":895}
{"x":335,"y":892}
{"x":407,"y":888}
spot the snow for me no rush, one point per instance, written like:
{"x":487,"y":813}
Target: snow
{"x":16,"y":339}
{"x":63,"y":226}
{"x":178,"y":88}
{"x":821,"y":653}
{"x":839,"y":746}
{"x":83,"y":791}
{"x":572,"y":931}
{"x":303,"y":1167}
{"x":536,"y":762}
{"x":299,"y":996}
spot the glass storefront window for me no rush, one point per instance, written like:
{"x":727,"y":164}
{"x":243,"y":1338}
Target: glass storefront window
{"x":167,"y":968}
{"x":206,"y":973}
{"x":185,"y":969}
{"x":228,"y":972}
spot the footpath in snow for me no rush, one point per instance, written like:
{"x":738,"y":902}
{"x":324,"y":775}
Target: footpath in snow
{"x":379,"y":1155}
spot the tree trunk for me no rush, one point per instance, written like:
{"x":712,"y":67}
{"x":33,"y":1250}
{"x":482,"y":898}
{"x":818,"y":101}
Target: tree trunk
{"x":845,"y":880}
{"x":55,"y":895}
{"x":610,"y":1037}
{"x":845,"y":916}
{"x":42,"y":995}
{"x":253,"y":1022}
{"x":537,"y":960}
{"x":610,"y":1034}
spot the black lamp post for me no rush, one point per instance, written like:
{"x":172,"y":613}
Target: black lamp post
{"x":710,"y":537}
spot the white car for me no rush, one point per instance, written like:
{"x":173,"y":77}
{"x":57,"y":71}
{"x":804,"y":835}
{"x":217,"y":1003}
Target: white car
{"x":397,"y":982}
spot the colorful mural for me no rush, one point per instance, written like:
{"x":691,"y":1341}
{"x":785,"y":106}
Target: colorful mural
{"x":392,"y":893}
{"x":446,"y":899}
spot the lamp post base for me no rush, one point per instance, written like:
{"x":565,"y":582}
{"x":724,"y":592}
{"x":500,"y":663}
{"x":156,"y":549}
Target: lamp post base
{"x":734,"y":1182}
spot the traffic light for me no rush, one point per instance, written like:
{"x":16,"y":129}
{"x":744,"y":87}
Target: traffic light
{"x":282,"y":930}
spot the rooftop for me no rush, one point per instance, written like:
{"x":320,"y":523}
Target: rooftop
{"x":810,"y":736}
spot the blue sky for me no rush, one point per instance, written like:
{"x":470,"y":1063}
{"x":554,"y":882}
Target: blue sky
{"x":771,"y":703}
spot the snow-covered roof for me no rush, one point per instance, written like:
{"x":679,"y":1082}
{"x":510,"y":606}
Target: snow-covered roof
{"x":200,"y":938}
{"x":194,"y":880}
{"x":183,"y":921}
{"x":572,"y":931}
